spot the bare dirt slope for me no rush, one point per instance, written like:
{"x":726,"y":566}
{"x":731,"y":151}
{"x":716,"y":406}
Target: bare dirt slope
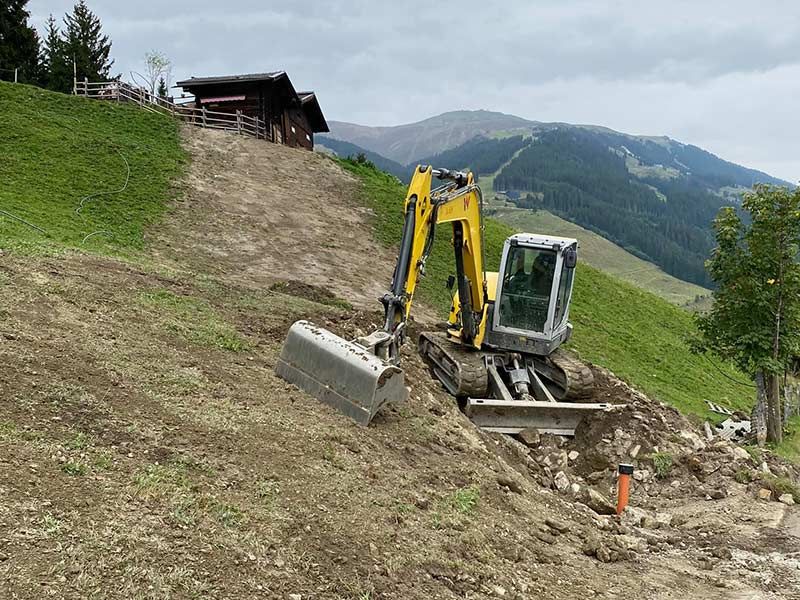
{"x":260,"y":213}
{"x":147,"y":450}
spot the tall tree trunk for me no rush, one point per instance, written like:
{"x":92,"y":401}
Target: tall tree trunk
{"x":758,"y":418}
{"x":774,"y":415}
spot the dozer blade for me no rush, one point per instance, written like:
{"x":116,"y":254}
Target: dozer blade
{"x":513,"y":416}
{"x":338,"y":372}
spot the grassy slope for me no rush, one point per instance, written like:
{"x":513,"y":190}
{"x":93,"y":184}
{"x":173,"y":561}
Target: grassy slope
{"x":636,"y":334}
{"x":598,"y":252}
{"x":57,"y":149}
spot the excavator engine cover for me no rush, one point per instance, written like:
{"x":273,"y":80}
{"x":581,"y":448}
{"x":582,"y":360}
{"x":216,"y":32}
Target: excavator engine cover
{"x":340,"y":373}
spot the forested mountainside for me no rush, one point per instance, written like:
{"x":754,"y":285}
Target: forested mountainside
{"x":573,"y":174}
{"x":653,"y":196}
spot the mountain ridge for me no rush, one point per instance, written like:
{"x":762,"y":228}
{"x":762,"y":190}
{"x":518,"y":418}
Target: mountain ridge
{"x":408,"y":142}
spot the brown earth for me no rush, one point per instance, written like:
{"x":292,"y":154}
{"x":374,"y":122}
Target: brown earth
{"x":147,"y":450}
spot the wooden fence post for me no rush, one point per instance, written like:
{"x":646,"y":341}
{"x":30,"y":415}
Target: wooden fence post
{"x":204,"y":116}
{"x":239,"y":122}
{"x":16,"y":80}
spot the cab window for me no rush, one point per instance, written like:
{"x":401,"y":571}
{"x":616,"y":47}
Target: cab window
{"x":527,"y":285}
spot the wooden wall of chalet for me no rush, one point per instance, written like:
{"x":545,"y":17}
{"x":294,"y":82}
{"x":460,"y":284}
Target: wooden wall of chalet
{"x":297,"y":128}
{"x":286,"y":121}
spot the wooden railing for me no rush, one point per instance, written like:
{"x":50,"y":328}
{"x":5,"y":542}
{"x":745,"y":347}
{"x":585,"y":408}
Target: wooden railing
{"x":120,"y":91}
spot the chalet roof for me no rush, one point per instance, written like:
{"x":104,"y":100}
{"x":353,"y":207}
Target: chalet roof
{"x":193,"y":81}
{"x":310,"y":104}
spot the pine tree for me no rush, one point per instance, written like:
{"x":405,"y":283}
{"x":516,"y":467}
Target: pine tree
{"x":19,"y":42}
{"x":162,"y":88}
{"x":56,"y":70}
{"x":84,"y":43}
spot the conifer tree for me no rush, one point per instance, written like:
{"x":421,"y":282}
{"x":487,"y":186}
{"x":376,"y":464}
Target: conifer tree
{"x":162,"y":88}
{"x":19,"y":42}
{"x":85,"y":44}
{"x":56,"y":71}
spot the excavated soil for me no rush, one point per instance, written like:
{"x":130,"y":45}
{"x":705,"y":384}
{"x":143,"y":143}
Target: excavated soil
{"x":147,"y":450}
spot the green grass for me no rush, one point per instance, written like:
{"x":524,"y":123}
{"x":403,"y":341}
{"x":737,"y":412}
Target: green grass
{"x":789,"y":448}
{"x":74,"y":468}
{"x":57,"y":149}
{"x":640,"y":337}
{"x":662,"y":463}
{"x":465,"y":500}
{"x":602,"y":254}
{"x":194,"y":320}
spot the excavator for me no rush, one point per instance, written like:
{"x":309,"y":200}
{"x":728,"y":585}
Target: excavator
{"x":498,"y":353}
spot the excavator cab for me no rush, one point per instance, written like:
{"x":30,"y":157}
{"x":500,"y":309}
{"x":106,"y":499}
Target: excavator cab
{"x":530,"y":304}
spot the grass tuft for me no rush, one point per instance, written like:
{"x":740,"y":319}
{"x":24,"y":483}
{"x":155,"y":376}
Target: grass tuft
{"x":465,"y":500}
{"x":76,"y":469}
{"x":662,"y":463}
{"x":780,"y":486}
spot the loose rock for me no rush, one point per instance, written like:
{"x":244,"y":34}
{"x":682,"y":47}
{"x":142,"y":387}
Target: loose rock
{"x":633,"y":516}
{"x":693,"y":439}
{"x":559,"y":526}
{"x":786,"y":499}
{"x":561,"y":481}
{"x":508,"y":482}
{"x":597,"y":502}
{"x":717,"y":493}
{"x":764,"y":494}
{"x":530,"y":437}
{"x":546,"y":537}
{"x":663,"y":519}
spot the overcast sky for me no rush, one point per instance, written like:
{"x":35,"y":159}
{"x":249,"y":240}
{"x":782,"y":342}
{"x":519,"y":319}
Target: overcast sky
{"x":722,"y":75}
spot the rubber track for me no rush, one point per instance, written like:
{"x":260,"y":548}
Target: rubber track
{"x":473,"y":380}
{"x":579,"y":377}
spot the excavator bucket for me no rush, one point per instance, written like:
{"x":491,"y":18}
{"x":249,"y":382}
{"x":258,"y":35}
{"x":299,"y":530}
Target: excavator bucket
{"x":339,"y":373}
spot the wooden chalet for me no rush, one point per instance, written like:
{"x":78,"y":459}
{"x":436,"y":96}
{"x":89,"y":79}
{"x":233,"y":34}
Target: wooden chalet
{"x":292,"y":117}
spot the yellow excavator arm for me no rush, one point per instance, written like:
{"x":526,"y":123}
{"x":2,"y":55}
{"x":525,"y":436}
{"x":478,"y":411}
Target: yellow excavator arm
{"x":457,"y":202}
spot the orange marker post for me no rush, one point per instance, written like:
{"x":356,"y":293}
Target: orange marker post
{"x":623,"y":486}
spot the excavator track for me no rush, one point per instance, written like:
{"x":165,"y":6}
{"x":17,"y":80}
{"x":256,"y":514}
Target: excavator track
{"x":567,"y":378}
{"x":462,"y":371}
